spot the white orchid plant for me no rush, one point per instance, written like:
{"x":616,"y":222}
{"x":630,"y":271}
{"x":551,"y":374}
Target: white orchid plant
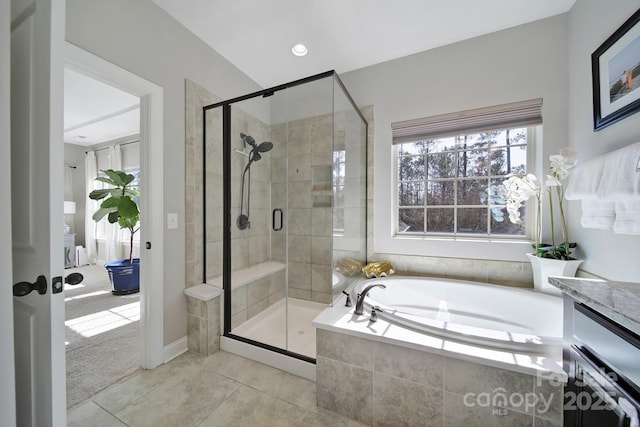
{"x":518,"y":189}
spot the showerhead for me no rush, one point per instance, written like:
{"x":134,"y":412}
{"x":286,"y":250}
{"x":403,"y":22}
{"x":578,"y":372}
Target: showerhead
{"x":264,"y":146}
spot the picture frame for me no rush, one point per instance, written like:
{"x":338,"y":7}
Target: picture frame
{"x":615,"y":68}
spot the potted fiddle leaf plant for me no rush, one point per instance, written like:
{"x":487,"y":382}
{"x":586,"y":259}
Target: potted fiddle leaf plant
{"x":120,"y":204}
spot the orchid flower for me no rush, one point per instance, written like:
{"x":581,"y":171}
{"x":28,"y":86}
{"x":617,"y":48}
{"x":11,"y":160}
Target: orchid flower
{"x":518,"y":189}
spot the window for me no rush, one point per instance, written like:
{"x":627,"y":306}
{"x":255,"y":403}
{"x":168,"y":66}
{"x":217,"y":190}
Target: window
{"x":338,"y":182}
{"x":449,"y":168}
{"x":450,"y":186}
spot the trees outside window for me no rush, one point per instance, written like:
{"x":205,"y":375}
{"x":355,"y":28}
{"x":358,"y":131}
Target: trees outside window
{"x":450,"y":186}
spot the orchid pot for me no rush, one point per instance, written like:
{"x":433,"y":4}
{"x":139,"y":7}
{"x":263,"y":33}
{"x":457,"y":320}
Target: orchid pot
{"x":545,"y":267}
{"x":548,"y":259}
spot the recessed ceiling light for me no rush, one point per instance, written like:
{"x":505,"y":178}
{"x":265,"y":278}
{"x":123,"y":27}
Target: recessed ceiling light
{"x":299,"y":49}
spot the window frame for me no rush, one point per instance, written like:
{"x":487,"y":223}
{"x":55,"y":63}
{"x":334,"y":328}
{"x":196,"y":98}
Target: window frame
{"x":529,"y":229}
{"x":336,"y":231}
{"x":483,"y":247}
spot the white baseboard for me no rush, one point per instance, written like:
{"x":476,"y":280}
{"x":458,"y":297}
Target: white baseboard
{"x":175,"y":349}
{"x":280,"y":361}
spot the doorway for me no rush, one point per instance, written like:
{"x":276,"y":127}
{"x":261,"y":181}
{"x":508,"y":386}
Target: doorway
{"x":150,"y":96}
{"x":98,"y":136}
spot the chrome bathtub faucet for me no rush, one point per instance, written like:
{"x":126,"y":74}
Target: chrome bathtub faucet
{"x":360,"y":300}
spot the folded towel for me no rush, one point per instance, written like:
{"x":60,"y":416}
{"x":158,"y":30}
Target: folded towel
{"x":621,"y":174}
{"x":627,"y":217}
{"x":597,"y":214}
{"x":585,"y":179}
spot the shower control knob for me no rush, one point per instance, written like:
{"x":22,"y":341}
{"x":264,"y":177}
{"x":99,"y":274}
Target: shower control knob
{"x":243,"y":222}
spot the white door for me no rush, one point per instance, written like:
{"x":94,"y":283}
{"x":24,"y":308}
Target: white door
{"x":7,"y":377}
{"x":37,"y":67}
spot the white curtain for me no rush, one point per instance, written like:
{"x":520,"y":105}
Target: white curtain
{"x":68,"y":183}
{"x":112,"y":245}
{"x":68,"y":196}
{"x":91,"y":168}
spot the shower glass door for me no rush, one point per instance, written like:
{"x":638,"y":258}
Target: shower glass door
{"x":258,"y":217}
{"x":302,"y":119}
{"x":292,"y":185}
{"x":281,"y":221}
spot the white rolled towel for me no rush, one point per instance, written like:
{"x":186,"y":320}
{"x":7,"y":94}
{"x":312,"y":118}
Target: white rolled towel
{"x":585,"y":180}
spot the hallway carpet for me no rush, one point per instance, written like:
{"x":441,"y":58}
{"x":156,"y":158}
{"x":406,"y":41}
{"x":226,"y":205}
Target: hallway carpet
{"x":102,"y":334}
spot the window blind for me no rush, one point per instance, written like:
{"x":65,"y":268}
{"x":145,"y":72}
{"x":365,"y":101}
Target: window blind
{"x":515,"y":114}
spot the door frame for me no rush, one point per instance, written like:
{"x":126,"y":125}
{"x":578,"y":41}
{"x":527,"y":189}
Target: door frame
{"x":151,"y":200}
{"x":7,"y":359}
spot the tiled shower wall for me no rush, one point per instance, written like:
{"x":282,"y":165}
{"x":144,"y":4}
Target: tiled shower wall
{"x":309,"y":149}
{"x":251,"y":245}
{"x":244,"y":254}
{"x":196,"y":98}
{"x":203,"y":318}
{"x":307,"y":179}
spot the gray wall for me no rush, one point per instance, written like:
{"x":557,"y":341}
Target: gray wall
{"x":140,"y":37}
{"x":591,"y":22}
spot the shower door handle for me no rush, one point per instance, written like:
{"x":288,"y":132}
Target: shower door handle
{"x":273,"y":219}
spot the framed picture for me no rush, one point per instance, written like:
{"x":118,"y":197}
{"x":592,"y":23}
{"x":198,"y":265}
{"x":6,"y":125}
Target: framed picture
{"x":615,"y":69}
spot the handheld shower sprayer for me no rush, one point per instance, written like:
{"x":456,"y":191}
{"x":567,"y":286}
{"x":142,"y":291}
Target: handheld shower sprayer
{"x":243,"y":219}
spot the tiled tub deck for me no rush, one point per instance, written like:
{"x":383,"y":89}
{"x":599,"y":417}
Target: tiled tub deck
{"x":384,"y":375}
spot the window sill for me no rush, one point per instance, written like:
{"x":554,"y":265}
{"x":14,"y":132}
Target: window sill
{"x":455,"y":247}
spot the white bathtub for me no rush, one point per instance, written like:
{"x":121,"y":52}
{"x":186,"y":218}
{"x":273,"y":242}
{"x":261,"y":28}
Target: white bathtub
{"x":470,"y":312}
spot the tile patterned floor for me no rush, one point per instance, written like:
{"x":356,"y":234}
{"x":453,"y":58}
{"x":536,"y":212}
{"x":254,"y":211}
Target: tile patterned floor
{"x":220,"y":390}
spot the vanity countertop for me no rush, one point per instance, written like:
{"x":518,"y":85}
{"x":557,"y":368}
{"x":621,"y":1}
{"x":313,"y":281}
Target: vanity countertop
{"x":619,"y":301}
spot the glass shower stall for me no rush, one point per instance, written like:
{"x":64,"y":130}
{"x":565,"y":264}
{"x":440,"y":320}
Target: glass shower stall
{"x":285,"y":202}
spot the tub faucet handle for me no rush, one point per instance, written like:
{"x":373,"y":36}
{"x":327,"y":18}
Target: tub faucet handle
{"x":374,"y":314}
{"x":347,"y":303}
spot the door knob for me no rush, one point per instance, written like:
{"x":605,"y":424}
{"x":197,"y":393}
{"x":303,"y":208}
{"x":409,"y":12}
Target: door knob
{"x":23,"y":288}
{"x":74,"y":279}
